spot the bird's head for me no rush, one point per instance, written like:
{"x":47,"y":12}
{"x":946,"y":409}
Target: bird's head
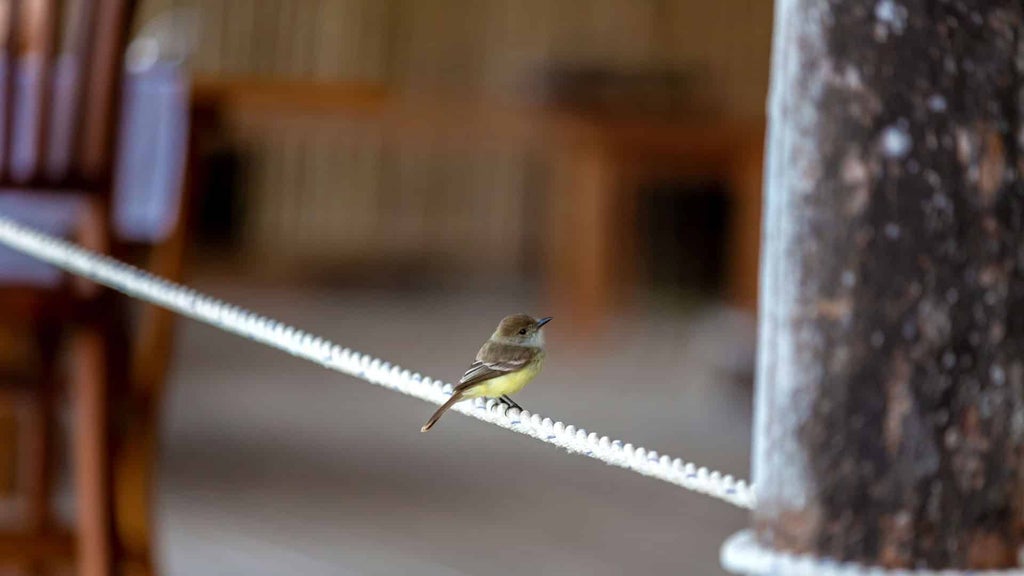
{"x":521,"y":329}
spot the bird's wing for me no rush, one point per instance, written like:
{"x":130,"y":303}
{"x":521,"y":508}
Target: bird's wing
{"x":495,"y":360}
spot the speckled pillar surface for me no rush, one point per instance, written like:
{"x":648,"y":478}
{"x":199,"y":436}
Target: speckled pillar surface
{"x":890,"y":402}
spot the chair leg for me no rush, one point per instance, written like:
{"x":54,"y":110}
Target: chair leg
{"x":16,"y":443}
{"x":10,"y":436}
{"x":133,"y":490}
{"x":91,"y":453}
{"x":39,"y":443}
{"x":41,"y":434}
{"x":39,"y":450}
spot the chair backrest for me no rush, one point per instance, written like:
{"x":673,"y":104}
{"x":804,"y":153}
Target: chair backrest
{"x":152,"y":153}
{"x":60,"y":80}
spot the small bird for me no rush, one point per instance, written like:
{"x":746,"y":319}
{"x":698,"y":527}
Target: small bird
{"x":505,"y":363}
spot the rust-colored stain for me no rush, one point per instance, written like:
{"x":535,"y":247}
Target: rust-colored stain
{"x":791,"y":530}
{"x":898,"y":404}
{"x":989,"y":550}
{"x":990,"y":275}
{"x":968,"y":451}
{"x":964,"y":146}
{"x":897,"y":536}
{"x":992,"y":166}
{"x":834,"y":308}
{"x":854,"y":174}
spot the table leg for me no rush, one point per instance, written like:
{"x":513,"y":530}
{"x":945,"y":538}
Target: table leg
{"x":744,"y":232}
{"x":582,"y":238}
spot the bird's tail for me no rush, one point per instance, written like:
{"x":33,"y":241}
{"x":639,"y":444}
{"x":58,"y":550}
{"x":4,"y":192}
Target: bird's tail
{"x":440,"y":411}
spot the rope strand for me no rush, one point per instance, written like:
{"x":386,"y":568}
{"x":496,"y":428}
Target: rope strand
{"x":230,"y":318}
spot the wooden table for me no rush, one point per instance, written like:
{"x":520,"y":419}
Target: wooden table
{"x":595,"y":162}
{"x":598,"y":167}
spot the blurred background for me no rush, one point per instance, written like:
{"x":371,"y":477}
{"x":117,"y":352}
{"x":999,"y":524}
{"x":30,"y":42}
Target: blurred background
{"x":395,"y":175}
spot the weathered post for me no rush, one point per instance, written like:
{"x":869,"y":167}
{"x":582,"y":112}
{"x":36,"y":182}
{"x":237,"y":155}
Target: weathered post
{"x":890,"y":402}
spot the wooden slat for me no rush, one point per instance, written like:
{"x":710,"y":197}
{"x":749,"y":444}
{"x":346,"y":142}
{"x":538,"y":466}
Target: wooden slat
{"x":9,"y":57}
{"x":50,"y":26}
{"x":104,"y":71}
{"x":79,"y":47}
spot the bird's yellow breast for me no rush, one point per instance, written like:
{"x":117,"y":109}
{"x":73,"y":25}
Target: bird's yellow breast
{"x":508,"y":384}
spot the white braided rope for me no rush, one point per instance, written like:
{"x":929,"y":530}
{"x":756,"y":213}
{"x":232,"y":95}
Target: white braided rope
{"x":230,"y":318}
{"x":743,"y":554}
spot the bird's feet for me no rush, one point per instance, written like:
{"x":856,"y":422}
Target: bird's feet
{"x":509,"y":403}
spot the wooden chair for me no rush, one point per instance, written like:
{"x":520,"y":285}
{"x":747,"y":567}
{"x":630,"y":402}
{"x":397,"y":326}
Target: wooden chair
{"x":60,"y":94}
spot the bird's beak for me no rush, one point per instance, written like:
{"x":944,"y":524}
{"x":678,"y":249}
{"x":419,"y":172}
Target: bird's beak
{"x":543,"y":321}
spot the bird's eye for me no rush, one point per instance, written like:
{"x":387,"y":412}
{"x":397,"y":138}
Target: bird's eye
{"x":522,"y":331}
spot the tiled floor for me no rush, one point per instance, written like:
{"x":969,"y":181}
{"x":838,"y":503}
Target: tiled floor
{"x":275,"y":466}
